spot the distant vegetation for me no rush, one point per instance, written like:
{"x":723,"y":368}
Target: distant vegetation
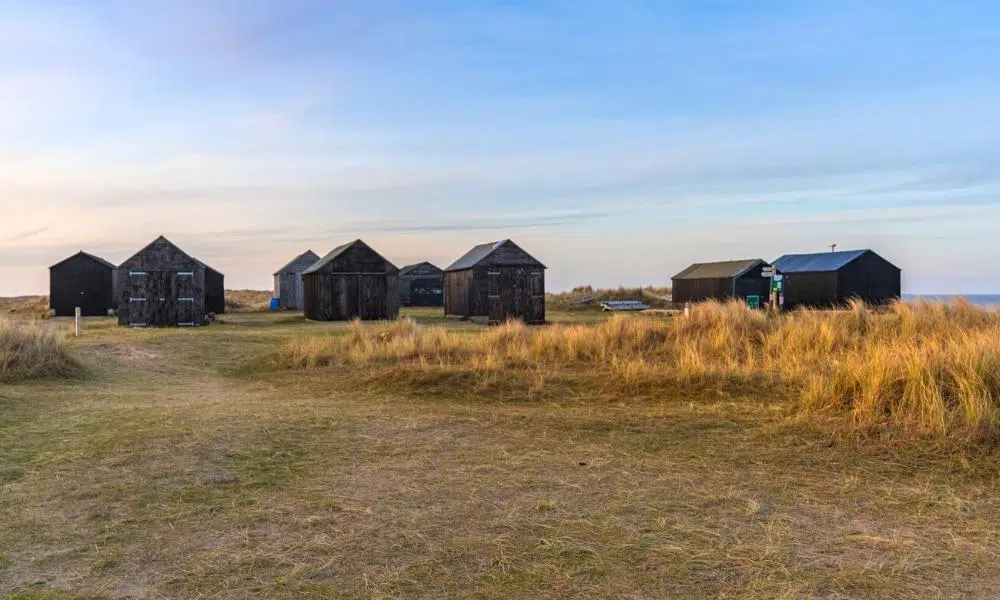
{"x":29,"y":306}
{"x":587,"y":297}
{"x":917,"y":370}
{"x":29,"y":352}
{"x":247,"y":300}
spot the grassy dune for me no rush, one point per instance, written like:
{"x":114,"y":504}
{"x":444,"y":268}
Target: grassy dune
{"x":916,"y":370}
{"x":626,"y":458}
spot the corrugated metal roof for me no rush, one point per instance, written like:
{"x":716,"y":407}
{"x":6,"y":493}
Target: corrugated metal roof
{"x":817,"y":262}
{"x":719,"y":270}
{"x":93,"y":257}
{"x":300,"y":262}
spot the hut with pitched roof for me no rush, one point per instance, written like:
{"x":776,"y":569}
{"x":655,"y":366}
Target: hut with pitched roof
{"x":163,"y":286}
{"x":721,"y":281}
{"x":288,"y":280}
{"x":83,"y":281}
{"x":353,"y":281}
{"x":495,"y":282}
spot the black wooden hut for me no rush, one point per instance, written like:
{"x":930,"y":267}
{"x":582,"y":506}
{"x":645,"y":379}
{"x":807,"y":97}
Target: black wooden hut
{"x":162,"y":286}
{"x":288,"y":280}
{"x":496,"y":281}
{"x":352,"y":281}
{"x":721,"y":281}
{"x":85,"y":281}
{"x":421,"y":284}
{"x":834,"y":278}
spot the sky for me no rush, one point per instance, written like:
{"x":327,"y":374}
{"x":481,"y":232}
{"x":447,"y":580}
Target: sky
{"x":616,"y":141}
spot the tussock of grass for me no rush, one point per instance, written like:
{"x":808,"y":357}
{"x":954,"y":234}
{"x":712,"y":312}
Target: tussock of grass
{"x":30,"y":352}
{"x":926,"y":369}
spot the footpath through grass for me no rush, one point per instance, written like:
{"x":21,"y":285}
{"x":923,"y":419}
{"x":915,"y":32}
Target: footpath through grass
{"x":169,"y":471}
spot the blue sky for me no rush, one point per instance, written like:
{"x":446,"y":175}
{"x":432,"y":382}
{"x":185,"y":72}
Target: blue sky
{"x":616,"y":141}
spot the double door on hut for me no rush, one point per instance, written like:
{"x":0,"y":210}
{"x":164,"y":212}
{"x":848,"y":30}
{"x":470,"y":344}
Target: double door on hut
{"x":516,"y":293}
{"x":162,"y":299}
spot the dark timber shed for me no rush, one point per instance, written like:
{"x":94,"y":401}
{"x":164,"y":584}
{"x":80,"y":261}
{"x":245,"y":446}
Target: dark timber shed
{"x":421,"y":284}
{"x":162,"y":286}
{"x":721,"y":281}
{"x":352,"y":281}
{"x":215,"y":291}
{"x":85,"y":281}
{"x":288,"y":280}
{"x":833,"y":278}
{"x":496,"y":281}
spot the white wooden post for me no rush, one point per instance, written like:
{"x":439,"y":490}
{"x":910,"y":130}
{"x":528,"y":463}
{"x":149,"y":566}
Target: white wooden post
{"x":687,"y":309}
{"x":77,"y":319}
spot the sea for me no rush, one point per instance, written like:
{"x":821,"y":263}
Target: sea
{"x":987,"y":300}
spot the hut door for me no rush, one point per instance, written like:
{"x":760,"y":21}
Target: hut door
{"x":184,"y":289}
{"x":495,"y":302}
{"x":137,"y":306}
{"x":537,"y":297}
{"x":160,"y":298}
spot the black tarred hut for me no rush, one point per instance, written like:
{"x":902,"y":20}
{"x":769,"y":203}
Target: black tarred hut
{"x":721,"y":281}
{"x":421,"y":284}
{"x":163,"y":286}
{"x":353,"y":281}
{"x":495,"y":282}
{"x":827,"y":279}
{"x":82,"y":280}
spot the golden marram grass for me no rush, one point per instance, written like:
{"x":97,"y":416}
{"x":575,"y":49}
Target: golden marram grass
{"x":915,"y":369}
{"x":28,"y":351}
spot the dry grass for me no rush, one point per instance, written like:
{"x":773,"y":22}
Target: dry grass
{"x":28,"y":352}
{"x":162,"y":475}
{"x":248,"y":300}
{"x":923,"y":370}
{"x":26,"y":306}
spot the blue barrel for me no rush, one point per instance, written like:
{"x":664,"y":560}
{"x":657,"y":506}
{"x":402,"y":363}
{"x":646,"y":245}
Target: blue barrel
{"x":275,"y":304}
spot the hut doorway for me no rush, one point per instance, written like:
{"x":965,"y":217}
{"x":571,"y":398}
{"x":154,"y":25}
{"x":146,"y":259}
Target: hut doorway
{"x":516,"y":292}
{"x":162,"y":297}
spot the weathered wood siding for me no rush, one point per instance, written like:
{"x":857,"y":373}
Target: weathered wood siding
{"x":516,"y":293}
{"x":498,"y":293}
{"x":81,"y":281}
{"x":458,"y":293}
{"x":341,"y":297}
{"x":289,"y":290}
